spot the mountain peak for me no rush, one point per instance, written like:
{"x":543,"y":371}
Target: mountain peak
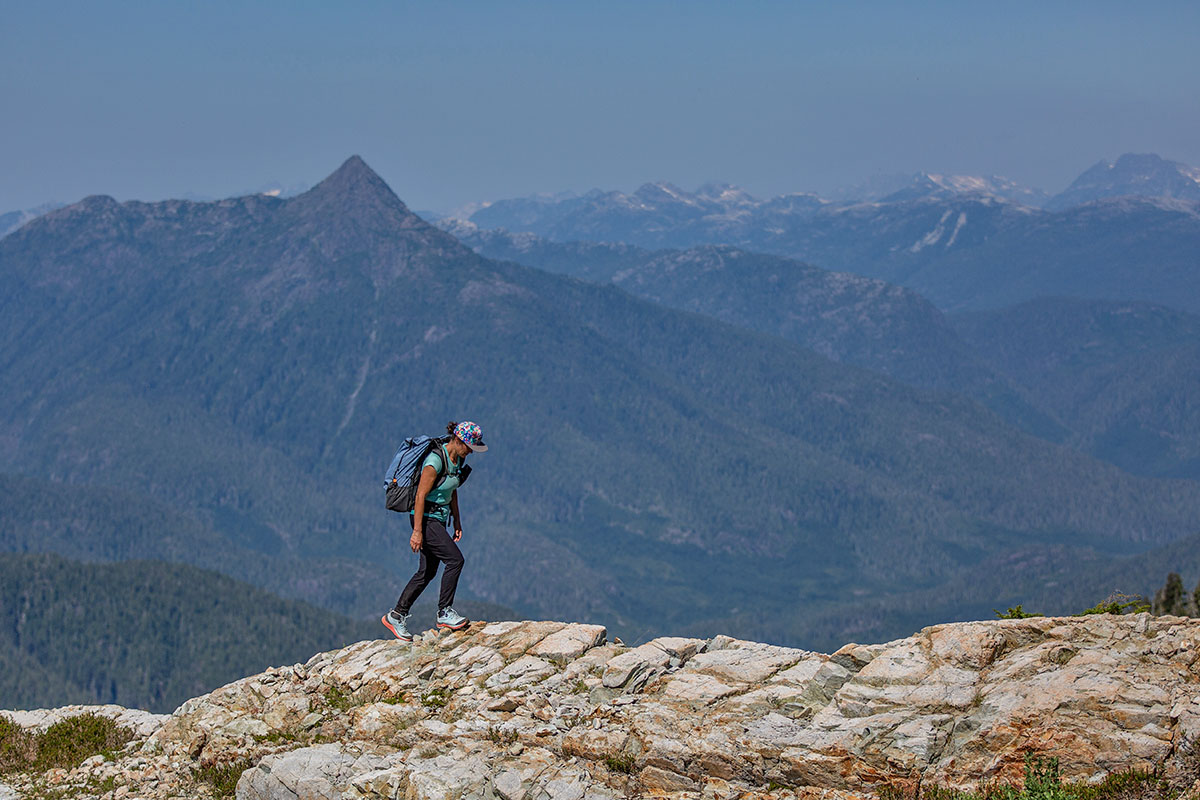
{"x":1133,"y":174}
{"x":354,"y":166}
{"x":660,"y":189}
{"x":945,"y":187}
{"x":353,"y":211}
{"x":725,"y":194}
{"x":354,"y":177}
{"x":354,"y":190}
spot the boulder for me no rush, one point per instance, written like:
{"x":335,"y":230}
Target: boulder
{"x":310,"y":773}
{"x":569,"y":643}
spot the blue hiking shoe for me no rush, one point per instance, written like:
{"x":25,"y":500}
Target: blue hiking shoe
{"x":450,"y":620}
{"x":398,"y":625}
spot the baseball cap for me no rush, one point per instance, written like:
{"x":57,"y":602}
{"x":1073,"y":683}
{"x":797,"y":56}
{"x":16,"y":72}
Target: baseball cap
{"x":472,"y":436}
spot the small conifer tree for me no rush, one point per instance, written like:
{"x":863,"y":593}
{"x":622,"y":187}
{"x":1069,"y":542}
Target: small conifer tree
{"x":1174,"y":600}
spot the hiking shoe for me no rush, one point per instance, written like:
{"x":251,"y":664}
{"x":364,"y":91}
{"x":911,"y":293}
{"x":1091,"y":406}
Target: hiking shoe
{"x":451,"y":620}
{"x":398,"y":625}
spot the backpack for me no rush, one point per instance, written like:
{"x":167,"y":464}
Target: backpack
{"x":404,"y":473}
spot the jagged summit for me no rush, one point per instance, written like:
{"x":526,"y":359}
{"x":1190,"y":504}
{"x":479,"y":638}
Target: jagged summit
{"x":354,"y":211}
{"x":356,"y":190}
{"x":351,"y":175}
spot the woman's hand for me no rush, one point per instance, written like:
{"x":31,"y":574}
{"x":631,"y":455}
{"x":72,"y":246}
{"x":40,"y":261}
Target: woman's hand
{"x":457,"y":531}
{"x":415,"y":541}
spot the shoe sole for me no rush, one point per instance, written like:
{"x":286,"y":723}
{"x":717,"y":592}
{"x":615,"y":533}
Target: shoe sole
{"x":459,"y":627}
{"x":388,"y":625}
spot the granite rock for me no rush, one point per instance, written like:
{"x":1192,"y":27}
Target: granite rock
{"x":550,"y":710}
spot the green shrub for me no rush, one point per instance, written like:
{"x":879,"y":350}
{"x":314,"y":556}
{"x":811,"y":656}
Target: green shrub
{"x":18,"y":748}
{"x":279,"y":737}
{"x":1043,"y":779}
{"x":67,"y":743}
{"x":64,"y":744}
{"x":223,"y":778}
{"x":1129,"y":785}
{"x":1015,"y":612}
{"x":1118,"y":603}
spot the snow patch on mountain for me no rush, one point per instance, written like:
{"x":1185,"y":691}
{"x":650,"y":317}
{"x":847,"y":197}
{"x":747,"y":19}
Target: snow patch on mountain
{"x":958,"y":226}
{"x":934,"y":236}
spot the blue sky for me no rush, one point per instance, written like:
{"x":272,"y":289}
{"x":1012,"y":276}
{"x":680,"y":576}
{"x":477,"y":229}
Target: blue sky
{"x":453,"y":102}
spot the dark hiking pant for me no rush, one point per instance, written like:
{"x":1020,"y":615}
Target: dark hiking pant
{"x":436,"y":548}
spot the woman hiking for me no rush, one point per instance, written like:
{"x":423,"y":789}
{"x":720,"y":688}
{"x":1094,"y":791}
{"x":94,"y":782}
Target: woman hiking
{"x":436,"y":501}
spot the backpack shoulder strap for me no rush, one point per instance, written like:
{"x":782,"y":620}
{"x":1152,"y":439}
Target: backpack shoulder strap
{"x":443,"y":459}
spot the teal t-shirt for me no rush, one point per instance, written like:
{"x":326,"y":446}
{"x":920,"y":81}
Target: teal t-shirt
{"x":437,"y":502}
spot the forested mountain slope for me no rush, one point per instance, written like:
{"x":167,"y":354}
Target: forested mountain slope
{"x":252,"y":363}
{"x":847,"y":318}
{"x":1111,"y":378}
{"x":144,"y":634}
{"x":97,"y":523}
{"x":1124,"y":376}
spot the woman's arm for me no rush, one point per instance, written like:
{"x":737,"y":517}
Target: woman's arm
{"x":428,"y":478}
{"x":454,"y":513}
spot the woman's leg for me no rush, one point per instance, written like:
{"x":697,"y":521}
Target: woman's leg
{"x":425,"y":570}
{"x":450,"y":576}
{"x":442,"y":547}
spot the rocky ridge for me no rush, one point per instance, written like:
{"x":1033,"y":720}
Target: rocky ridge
{"x":549,"y":710}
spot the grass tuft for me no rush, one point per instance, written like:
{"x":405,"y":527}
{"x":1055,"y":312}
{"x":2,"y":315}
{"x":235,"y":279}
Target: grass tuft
{"x":435,"y":698}
{"x":338,"y":700}
{"x":623,"y":763}
{"x":223,"y":778}
{"x":500,"y":736}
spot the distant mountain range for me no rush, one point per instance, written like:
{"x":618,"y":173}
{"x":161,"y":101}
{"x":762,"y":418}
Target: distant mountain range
{"x":250,"y":364}
{"x":954,"y":240}
{"x":945,"y":187}
{"x":1110,"y":377}
{"x":1131,"y":175}
{"x":844,"y":317}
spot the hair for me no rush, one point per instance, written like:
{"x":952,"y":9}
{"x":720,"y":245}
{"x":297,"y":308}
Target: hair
{"x":450,"y":426}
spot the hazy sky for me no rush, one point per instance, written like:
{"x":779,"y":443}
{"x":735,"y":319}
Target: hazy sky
{"x":453,"y":102}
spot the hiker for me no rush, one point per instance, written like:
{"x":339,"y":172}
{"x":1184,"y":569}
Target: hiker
{"x":435,"y":503}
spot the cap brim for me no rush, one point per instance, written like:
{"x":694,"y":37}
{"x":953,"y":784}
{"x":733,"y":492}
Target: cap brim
{"x":478,"y":448}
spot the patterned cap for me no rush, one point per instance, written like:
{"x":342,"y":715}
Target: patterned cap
{"x":471,"y":435}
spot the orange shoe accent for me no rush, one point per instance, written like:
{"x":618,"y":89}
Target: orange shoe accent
{"x":388,"y":625}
